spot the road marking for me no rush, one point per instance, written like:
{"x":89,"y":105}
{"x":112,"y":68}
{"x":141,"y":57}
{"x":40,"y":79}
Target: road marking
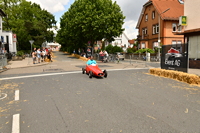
{"x":5,"y":95}
{"x":15,"y":124}
{"x":16,"y":95}
{"x":63,"y":73}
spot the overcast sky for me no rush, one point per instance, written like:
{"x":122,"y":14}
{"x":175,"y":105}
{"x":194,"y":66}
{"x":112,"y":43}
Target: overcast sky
{"x":131,"y":9}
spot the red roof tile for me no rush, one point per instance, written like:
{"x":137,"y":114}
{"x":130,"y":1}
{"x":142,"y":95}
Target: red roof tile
{"x":131,"y":41}
{"x":176,"y":9}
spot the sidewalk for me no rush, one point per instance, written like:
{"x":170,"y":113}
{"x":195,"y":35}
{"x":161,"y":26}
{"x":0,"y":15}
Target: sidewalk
{"x":27,"y":62}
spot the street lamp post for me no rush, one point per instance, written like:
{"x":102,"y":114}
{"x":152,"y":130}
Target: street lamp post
{"x":159,"y":32}
{"x":31,"y":42}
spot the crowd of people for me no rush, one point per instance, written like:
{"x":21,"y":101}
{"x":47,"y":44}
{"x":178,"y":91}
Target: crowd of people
{"x":103,"y":56}
{"x":40,"y":55}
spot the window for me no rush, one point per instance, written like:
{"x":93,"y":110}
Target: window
{"x":179,"y":28}
{"x":173,"y":42}
{"x":153,"y":14}
{"x":7,"y":39}
{"x":179,"y":42}
{"x":146,"y":17}
{"x":144,"y":31}
{"x":174,"y":27}
{"x":143,"y":45}
{"x":138,"y":45}
{"x":155,"y":29}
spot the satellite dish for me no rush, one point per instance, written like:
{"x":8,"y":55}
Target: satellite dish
{"x":181,"y":1}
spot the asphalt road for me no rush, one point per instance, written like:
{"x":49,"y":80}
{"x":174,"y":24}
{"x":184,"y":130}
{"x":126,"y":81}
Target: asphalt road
{"x":128,"y":101}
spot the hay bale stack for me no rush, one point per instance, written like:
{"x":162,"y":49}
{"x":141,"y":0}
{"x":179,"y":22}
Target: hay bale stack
{"x":79,"y":57}
{"x":181,"y":76}
{"x":46,"y":60}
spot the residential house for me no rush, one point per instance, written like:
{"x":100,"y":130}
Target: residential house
{"x":191,"y":22}
{"x":158,"y":21}
{"x":121,"y":41}
{"x":131,"y":42}
{"x":8,"y":39}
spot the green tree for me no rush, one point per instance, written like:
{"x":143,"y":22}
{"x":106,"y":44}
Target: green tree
{"x":28,"y":21}
{"x":90,"y":20}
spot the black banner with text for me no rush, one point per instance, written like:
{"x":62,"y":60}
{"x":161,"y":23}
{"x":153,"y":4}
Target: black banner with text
{"x":175,"y":57}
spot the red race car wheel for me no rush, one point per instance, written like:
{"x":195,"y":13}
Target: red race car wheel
{"x":90,"y":74}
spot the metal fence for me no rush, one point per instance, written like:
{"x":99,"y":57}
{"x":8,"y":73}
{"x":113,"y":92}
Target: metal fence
{"x":3,"y":61}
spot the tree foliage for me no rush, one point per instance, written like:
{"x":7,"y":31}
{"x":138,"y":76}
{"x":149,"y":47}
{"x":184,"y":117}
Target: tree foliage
{"x":28,"y":21}
{"x":145,"y":50}
{"x":89,"y":21}
{"x":113,"y":49}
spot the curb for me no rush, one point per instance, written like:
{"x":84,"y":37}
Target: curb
{"x":3,"y":70}
{"x":29,"y":66}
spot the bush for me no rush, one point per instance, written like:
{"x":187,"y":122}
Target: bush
{"x":145,"y":50}
{"x":20,"y":53}
{"x":117,"y":49}
{"x":129,"y":50}
{"x":109,"y":48}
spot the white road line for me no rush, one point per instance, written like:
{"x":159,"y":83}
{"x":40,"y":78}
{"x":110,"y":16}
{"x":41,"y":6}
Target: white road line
{"x":63,"y":73}
{"x":15,"y":124}
{"x":41,"y":75}
{"x":5,"y":95}
{"x":16,"y":95}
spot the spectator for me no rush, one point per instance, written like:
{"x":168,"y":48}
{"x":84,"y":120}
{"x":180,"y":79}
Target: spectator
{"x":101,"y":55}
{"x":105,"y":56}
{"x":33,"y":57}
{"x":38,"y":55}
{"x":49,"y":57}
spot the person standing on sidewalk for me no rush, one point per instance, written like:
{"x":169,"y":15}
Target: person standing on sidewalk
{"x":38,"y":55}
{"x":33,"y":57}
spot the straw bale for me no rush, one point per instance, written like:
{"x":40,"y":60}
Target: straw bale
{"x":177,"y":75}
{"x":46,"y":60}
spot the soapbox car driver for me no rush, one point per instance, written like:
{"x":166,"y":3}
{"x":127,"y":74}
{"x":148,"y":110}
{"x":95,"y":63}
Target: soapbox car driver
{"x":91,"y":61}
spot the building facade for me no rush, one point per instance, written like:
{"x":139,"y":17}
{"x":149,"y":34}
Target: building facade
{"x":192,"y":31}
{"x":158,"y":21}
{"x":8,"y":39}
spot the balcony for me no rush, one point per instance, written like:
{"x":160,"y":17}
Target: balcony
{"x":143,"y":37}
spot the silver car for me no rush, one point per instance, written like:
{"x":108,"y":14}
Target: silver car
{"x":120,"y":55}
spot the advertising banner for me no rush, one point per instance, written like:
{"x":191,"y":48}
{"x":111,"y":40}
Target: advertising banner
{"x":14,"y":38}
{"x":175,"y":57}
{"x":183,"y":20}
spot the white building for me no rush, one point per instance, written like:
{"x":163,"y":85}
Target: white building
{"x":122,"y":41}
{"x":8,"y":39}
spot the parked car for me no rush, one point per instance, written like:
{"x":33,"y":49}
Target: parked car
{"x":120,"y":55}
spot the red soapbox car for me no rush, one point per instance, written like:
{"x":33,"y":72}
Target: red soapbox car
{"x":93,"y":70}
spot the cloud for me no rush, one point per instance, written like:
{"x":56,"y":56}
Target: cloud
{"x":52,"y":6}
{"x":131,"y":9}
{"x":130,"y":30}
